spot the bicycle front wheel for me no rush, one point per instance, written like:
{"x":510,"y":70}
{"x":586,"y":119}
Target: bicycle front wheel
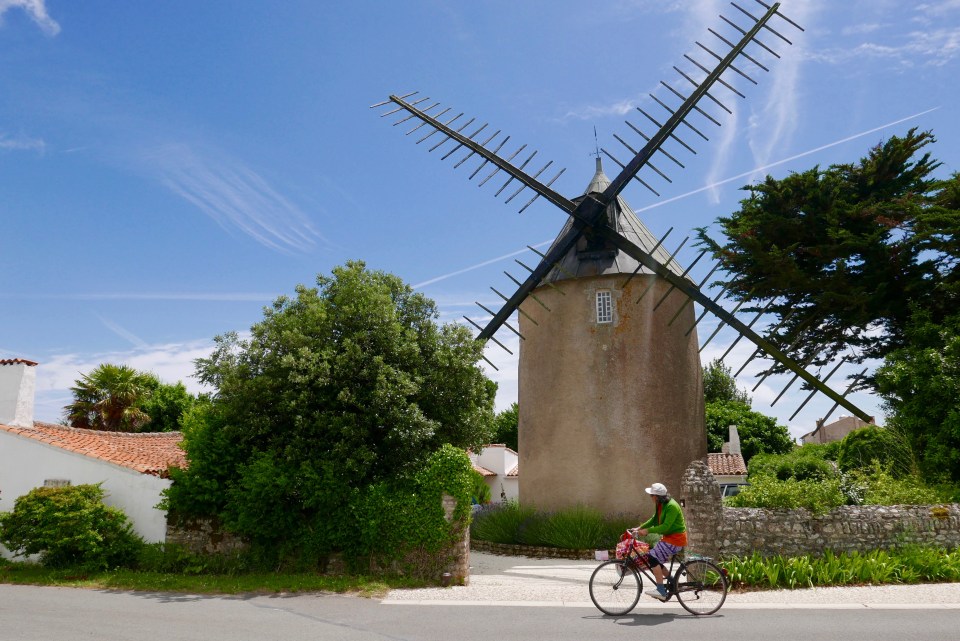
{"x":615,"y":588}
{"x":701,"y":586}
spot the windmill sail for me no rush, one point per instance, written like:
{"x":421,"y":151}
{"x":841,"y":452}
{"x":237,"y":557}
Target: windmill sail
{"x":590,"y":215}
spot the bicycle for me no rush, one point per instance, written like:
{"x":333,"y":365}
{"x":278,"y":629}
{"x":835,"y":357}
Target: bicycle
{"x":699,"y":584}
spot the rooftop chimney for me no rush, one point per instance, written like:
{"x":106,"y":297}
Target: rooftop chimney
{"x":18,"y":378}
{"x":733,"y":446}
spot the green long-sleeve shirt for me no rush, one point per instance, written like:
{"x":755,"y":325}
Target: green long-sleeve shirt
{"x":670,"y":521}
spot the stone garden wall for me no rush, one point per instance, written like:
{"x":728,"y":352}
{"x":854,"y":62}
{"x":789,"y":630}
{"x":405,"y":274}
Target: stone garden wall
{"x":720,"y":531}
{"x":206,"y":536}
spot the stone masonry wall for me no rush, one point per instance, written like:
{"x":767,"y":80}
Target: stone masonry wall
{"x":204,"y":536}
{"x":718,"y":531}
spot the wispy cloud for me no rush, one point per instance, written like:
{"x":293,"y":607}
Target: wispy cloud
{"x":21,"y":143}
{"x":935,"y":44}
{"x":235,"y":197}
{"x":37,"y":11}
{"x":593,"y":112}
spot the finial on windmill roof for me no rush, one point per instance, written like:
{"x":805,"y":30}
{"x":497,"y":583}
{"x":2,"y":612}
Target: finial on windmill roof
{"x":596,"y":153}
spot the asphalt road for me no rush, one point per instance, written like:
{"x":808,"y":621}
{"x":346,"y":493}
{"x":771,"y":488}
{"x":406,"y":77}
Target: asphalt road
{"x":64,"y":614}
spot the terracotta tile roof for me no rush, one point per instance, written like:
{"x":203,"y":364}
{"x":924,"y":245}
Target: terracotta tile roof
{"x":515,"y":472}
{"x":147,"y":453}
{"x":482,"y":470}
{"x":17,"y":361}
{"x":726,"y":463}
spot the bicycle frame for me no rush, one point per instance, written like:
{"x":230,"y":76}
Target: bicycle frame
{"x":647,"y":572}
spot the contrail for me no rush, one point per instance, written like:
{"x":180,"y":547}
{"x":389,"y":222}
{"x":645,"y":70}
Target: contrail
{"x":695,"y":191}
{"x":786,"y":160}
{"x":478,"y":265}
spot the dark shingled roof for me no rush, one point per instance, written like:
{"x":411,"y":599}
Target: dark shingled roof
{"x":581,"y":262}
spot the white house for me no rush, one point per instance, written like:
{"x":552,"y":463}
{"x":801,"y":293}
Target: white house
{"x":500,"y":468}
{"x":728,"y":466}
{"x":132,"y":468}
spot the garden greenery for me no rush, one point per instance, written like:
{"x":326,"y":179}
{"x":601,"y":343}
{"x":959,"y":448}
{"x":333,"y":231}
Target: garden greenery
{"x":909,"y":564}
{"x":872,"y":467}
{"x":70,"y":527}
{"x":575,"y":528}
{"x":326,"y":418}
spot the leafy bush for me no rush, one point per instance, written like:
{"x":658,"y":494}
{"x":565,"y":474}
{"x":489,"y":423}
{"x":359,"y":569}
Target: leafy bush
{"x":860,"y":448}
{"x":70,"y":527}
{"x":800,"y":465}
{"x":403,"y":524}
{"x":818,"y":496}
{"x":479,"y":490}
{"x":882,"y":488}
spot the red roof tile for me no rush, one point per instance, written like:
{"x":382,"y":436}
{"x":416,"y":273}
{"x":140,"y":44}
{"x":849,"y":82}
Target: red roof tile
{"x":484,"y":471}
{"x":514,"y":472}
{"x":17,"y":361}
{"x":726,"y":463}
{"x":148,"y":453}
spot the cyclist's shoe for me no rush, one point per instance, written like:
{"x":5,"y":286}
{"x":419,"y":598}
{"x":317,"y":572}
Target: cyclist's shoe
{"x":660,"y":593}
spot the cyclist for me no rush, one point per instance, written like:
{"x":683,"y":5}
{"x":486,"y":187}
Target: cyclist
{"x":667,"y":520}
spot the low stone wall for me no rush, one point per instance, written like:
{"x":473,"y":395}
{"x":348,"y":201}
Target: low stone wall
{"x":844,"y":529}
{"x":202,"y":535}
{"x":720,"y":531}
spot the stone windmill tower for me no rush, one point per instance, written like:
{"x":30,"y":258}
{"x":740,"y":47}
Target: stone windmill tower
{"x":610,"y":390}
{"x":605,"y":383}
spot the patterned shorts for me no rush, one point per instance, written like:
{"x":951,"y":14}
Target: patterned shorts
{"x":663,"y":551}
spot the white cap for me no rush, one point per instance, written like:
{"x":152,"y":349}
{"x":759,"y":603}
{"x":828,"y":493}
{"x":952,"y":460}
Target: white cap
{"x":657,"y":489}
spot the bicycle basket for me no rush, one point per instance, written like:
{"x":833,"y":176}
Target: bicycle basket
{"x":631,"y":548}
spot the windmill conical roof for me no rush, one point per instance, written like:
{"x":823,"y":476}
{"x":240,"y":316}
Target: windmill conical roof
{"x":580,"y":262}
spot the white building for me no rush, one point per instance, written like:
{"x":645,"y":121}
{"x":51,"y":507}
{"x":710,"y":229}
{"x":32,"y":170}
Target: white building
{"x":132,"y":468}
{"x":500,"y":468}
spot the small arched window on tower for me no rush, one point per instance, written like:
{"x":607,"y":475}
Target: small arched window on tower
{"x":604,"y":306}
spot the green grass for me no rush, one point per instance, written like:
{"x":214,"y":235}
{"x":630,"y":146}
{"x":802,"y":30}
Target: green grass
{"x":252,"y":582}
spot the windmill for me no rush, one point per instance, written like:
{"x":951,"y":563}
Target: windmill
{"x":610,"y":387}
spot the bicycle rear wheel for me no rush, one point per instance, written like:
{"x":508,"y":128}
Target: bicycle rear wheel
{"x":701,"y":586}
{"x":615,"y":588}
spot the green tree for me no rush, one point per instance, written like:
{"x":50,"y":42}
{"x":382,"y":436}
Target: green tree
{"x":110,"y":398}
{"x":505,"y":427}
{"x":720,"y":385}
{"x":165,"y":405}
{"x":843,"y":253}
{"x":341,"y":387}
{"x":920,"y":384}
{"x":758,"y":433}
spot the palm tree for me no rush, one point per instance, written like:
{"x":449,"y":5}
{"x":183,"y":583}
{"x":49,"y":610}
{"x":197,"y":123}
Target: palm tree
{"x":110,"y":398}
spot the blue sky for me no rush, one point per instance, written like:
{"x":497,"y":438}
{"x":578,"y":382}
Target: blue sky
{"x":167,"y":169}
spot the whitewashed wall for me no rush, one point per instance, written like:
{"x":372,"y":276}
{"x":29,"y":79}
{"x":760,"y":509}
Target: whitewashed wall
{"x":26,"y":464}
{"x":500,"y":460}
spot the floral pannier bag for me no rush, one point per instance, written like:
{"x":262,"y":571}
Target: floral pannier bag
{"x":633,"y":549}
